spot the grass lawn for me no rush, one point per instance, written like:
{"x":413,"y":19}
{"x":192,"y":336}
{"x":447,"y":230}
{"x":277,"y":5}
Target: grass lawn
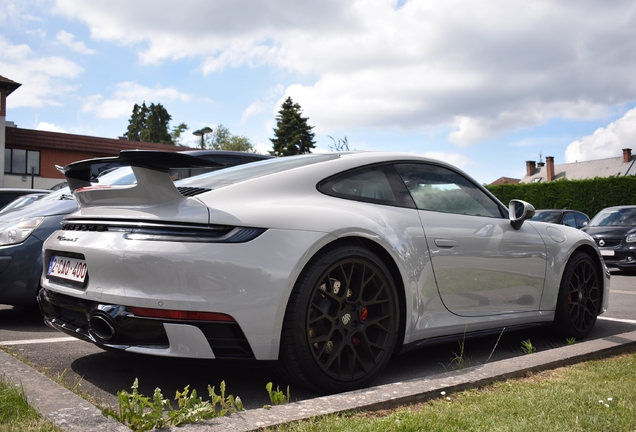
{"x":16,"y":414}
{"x":593,"y":396}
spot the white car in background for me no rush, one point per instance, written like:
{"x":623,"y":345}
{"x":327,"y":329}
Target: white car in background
{"x":327,"y":263}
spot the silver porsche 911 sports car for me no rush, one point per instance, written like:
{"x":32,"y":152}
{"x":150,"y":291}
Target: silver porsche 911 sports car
{"x":328,"y":263}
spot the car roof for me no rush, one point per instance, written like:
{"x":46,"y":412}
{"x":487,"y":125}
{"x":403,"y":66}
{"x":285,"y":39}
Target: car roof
{"x":23,"y":191}
{"x":316,"y":167}
{"x":558,"y":210}
{"x":225,"y":153}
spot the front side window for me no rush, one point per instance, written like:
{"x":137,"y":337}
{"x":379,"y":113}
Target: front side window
{"x":580,"y":220}
{"x":568,"y":220}
{"x":440,"y":189}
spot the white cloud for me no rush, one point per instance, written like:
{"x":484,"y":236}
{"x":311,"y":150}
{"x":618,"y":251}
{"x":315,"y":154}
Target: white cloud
{"x":482,"y":68}
{"x":126,"y":95}
{"x":605,"y":142}
{"x":268,"y":102}
{"x":45,"y":126}
{"x":456,"y":159}
{"x":45,"y":80}
{"x":263,"y":148}
{"x":67,"y":39}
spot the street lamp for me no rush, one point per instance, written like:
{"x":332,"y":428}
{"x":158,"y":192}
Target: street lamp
{"x":200,"y":133}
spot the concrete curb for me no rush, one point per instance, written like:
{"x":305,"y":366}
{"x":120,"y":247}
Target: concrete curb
{"x":61,"y":406}
{"x":72,"y":413}
{"x":419,"y":390}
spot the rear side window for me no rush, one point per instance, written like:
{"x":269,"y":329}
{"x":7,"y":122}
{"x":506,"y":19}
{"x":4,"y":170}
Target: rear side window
{"x":376,"y":184}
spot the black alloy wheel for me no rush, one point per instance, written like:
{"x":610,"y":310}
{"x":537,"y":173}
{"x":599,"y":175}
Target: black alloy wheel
{"x":342,"y":321}
{"x":579,"y":301}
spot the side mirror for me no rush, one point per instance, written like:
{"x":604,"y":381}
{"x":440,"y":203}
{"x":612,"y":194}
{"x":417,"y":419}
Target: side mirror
{"x":519,"y":211}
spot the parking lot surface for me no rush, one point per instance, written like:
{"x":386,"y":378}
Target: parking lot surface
{"x":101,"y":374}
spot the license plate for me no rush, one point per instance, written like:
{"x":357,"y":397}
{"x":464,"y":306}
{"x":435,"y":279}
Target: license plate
{"x":72,"y":269}
{"x":605,"y":252}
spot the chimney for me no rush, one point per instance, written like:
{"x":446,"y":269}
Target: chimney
{"x":550,"y":170}
{"x":540,"y":164}
{"x":627,"y":155}
{"x":530,"y":167}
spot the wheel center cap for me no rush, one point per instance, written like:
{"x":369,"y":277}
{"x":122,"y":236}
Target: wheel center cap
{"x":346,"y":318}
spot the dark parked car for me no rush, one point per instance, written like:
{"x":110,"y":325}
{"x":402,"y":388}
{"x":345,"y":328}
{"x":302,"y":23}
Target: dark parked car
{"x":23,"y":230}
{"x":614,"y":231}
{"x":9,"y":194}
{"x":572,"y":218}
{"x":23,"y":200}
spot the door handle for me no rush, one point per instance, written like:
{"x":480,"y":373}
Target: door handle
{"x":446,"y":243}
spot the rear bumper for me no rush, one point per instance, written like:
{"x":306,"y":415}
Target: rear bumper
{"x":115,"y":327}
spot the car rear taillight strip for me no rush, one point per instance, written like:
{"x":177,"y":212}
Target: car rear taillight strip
{"x":180,"y":315}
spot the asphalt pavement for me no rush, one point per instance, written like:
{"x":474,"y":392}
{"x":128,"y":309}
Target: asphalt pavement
{"x":404,"y":382}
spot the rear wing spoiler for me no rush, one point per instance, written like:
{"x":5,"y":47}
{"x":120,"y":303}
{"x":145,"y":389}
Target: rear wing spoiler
{"x":79,"y":174}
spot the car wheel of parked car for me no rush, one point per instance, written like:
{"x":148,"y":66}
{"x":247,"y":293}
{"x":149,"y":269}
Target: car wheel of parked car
{"x":342,"y":321}
{"x":579,"y":298}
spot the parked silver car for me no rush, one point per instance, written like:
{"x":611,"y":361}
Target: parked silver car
{"x":327,"y":263}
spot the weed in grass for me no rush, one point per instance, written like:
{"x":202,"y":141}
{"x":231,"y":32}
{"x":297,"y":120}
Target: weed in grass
{"x":459,"y":360}
{"x":141,"y":413}
{"x":276,"y":397}
{"x":527,"y":347}
{"x":570,"y":340}
{"x":496,"y":343}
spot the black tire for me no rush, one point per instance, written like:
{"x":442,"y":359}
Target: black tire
{"x":579,"y":299}
{"x":341,"y":322}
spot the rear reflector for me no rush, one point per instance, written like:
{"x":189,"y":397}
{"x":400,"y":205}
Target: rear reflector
{"x":180,"y":315}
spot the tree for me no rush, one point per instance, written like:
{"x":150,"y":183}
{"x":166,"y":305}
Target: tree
{"x":292,"y":133}
{"x":176,"y":133}
{"x":223,"y":139}
{"x":149,"y":124}
{"x":137,"y":122}
{"x":342,"y":145}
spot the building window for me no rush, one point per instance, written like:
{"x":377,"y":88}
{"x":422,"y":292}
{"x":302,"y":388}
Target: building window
{"x":18,"y":161}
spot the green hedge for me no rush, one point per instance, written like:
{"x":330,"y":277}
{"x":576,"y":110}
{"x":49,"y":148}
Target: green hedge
{"x":588,"y":196}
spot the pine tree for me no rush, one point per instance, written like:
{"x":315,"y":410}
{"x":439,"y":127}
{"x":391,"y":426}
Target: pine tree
{"x":292,"y":133}
{"x":137,"y":122}
{"x":149,"y":124}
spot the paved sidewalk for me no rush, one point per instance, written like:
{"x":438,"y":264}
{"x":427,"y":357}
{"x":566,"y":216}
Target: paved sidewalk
{"x":72,"y":413}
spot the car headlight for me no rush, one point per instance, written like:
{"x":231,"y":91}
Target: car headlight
{"x":17,"y":232}
{"x":631,"y":238}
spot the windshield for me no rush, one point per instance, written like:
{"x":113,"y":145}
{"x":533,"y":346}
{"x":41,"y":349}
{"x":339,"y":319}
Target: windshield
{"x":236,"y":174}
{"x":615,"y":217}
{"x":547,"y":216}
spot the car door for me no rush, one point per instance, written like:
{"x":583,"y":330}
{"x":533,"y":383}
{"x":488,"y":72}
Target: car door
{"x":482,"y":265}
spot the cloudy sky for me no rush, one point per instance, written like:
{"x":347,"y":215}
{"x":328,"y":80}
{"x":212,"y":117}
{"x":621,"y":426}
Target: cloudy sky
{"x":484,"y":85}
